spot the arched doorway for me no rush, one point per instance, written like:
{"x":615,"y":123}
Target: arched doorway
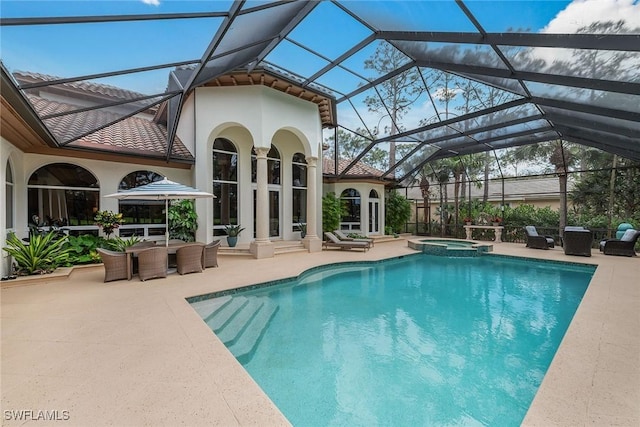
{"x":274,"y":184}
{"x":225,"y":185}
{"x":374,"y":212}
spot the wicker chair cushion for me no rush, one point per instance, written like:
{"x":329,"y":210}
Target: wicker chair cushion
{"x":531,"y":230}
{"x":628,"y":235}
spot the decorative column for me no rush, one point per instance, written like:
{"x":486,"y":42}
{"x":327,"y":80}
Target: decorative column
{"x":311,"y":240}
{"x":262,"y":247}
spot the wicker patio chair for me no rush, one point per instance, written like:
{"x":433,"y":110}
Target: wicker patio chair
{"x":115,"y":264}
{"x":333,"y":242}
{"x":536,"y":241}
{"x":143,"y":244}
{"x":152,"y":263}
{"x":346,"y":238}
{"x":210,"y":254}
{"x":625,"y":246}
{"x":189,"y":258}
{"x":577,"y":241}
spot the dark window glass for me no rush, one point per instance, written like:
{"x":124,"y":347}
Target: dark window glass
{"x":8,"y":205}
{"x":225,"y":206}
{"x":62,"y":194}
{"x":351,"y":198}
{"x":225,"y":161}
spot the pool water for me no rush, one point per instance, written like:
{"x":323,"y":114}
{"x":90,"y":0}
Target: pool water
{"x":422,"y":340}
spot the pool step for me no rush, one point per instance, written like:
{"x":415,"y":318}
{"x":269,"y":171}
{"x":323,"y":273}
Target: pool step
{"x":238,"y":321}
{"x":253,"y":331}
{"x":219,"y":318}
{"x":207,"y":307}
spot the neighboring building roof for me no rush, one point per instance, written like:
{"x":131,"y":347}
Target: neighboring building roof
{"x":522,"y":189}
{"x":359,"y":169}
{"x":130,"y":136}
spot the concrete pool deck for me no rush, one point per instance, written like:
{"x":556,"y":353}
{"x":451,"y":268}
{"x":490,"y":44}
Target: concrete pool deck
{"x":133,"y":353}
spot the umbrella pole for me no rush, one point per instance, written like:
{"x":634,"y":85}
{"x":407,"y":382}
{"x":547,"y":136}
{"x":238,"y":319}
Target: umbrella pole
{"x":166,"y":213}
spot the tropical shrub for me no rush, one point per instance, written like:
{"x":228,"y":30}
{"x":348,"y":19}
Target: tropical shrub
{"x":43,"y":253}
{"x":119,"y":244}
{"x":333,"y":209}
{"x":398,"y":211}
{"x":183,"y":220}
{"x":82,"y":249}
{"x":108,"y":221}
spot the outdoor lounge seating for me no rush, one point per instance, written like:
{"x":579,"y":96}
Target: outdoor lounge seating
{"x":334,"y":242}
{"x":577,"y":241}
{"x":346,"y":238}
{"x":623,"y":246}
{"x":210,"y":254}
{"x":115,"y":264}
{"x":152,"y":263}
{"x":536,"y":241}
{"x":189,"y":258}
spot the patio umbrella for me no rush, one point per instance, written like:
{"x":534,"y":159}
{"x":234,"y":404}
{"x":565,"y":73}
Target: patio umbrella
{"x":162,"y":190}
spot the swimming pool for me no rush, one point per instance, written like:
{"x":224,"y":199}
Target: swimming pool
{"x":422,"y":340}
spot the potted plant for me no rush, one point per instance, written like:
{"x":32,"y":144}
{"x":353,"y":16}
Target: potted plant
{"x":233,"y":231}
{"x":467,"y":220}
{"x":108,"y":221}
{"x":303,"y":229}
{"x":496,"y":221}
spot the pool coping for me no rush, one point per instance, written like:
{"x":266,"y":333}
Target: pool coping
{"x":55,"y":338}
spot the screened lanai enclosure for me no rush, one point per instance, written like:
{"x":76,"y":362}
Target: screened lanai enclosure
{"x":454,"y":102}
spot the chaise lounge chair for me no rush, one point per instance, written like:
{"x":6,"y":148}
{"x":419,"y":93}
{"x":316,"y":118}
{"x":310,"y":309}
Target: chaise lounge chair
{"x":346,"y":238}
{"x":624,"y":246}
{"x":536,"y":241}
{"x":333,"y":242}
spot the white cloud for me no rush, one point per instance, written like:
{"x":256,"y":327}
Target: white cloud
{"x":582,"y":13}
{"x":151,"y":2}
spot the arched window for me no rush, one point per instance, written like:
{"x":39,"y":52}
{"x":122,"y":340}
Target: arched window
{"x":139,"y":214}
{"x":299,"y":190}
{"x":373,"y":194}
{"x":273,"y":166}
{"x":225,"y":185}
{"x":62,"y":194}
{"x":8,"y":205}
{"x":351,"y":198}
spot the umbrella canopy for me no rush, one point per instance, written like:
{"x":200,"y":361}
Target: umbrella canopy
{"x":162,"y":190}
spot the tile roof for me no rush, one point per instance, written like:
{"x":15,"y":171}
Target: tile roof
{"x":359,"y":169}
{"x":87,"y":87}
{"x":129,"y":136}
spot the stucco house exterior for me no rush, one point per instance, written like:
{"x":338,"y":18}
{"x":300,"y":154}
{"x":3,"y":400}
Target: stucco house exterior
{"x":253,"y":140}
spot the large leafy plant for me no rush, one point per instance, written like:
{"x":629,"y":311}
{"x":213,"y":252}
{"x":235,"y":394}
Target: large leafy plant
{"x":43,"y":253}
{"x":183,"y":220}
{"x":82,"y":249}
{"x":398,"y":211}
{"x":333,"y":209}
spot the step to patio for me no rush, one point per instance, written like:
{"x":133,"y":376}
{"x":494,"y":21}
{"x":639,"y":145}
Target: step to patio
{"x":253,"y":331}
{"x":289,"y":247}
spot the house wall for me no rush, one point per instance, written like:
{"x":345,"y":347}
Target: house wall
{"x":254,"y":116}
{"x":108,"y":174}
{"x":364,"y":188}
